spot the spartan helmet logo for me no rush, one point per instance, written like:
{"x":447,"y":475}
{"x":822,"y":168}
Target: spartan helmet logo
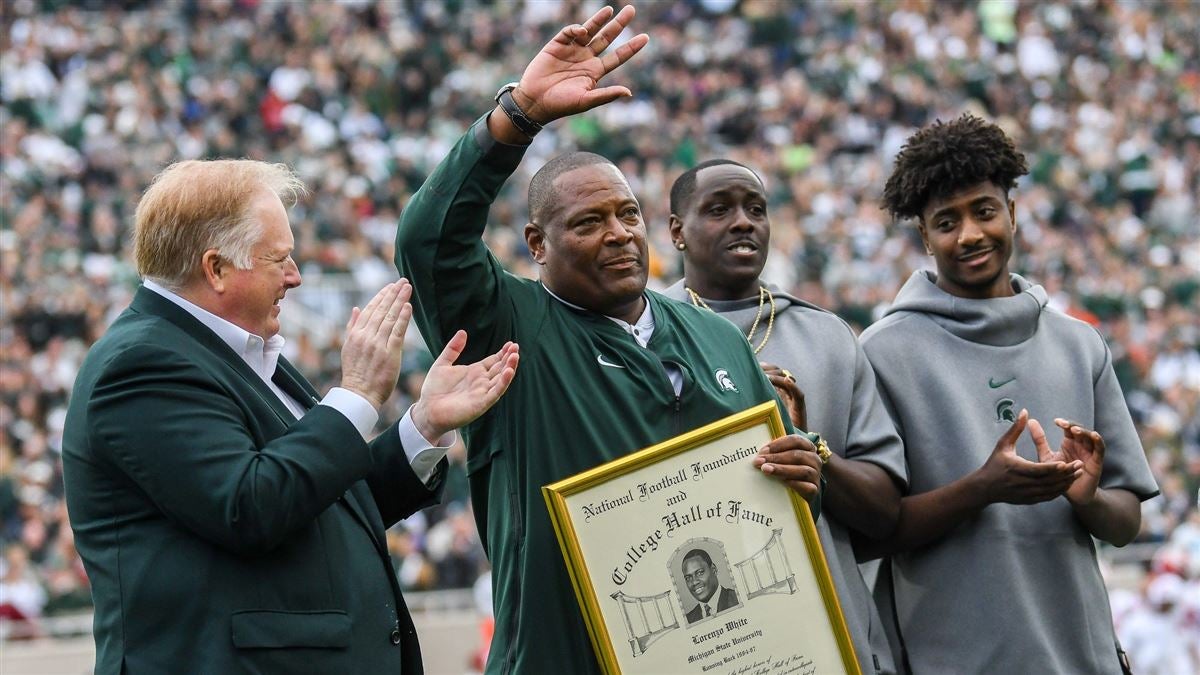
{"x":1004,"y":411}
{"x":724,"y":381}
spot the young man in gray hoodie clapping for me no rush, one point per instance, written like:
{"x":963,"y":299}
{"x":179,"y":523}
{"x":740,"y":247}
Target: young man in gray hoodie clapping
{"x":993,"y":564}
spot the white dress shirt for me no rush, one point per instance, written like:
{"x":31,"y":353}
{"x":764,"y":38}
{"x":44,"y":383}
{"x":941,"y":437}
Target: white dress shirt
{"x":641,"y":331}
{"x":262,"y":357}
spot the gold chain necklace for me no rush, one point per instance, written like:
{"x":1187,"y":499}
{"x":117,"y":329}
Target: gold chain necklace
{"x":763,"y":296}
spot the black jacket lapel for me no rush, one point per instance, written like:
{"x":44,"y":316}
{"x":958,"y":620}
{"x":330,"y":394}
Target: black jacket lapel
{"x":293,"y":384}
{"x":358,"y":499}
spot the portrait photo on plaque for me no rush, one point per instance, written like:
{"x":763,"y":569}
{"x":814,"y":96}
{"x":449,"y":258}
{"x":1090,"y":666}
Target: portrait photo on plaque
{"x":703,"y":581}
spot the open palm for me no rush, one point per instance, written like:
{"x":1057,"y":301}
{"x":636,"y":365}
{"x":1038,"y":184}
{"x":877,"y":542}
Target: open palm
{"x":563,"y":79}
{"x":456,"y":395}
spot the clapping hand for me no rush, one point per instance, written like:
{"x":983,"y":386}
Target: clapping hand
{"x":1009,"y":478}
{"x":1079,"y":445}
{"x":374,"y":343}
{"x":456,"y":395}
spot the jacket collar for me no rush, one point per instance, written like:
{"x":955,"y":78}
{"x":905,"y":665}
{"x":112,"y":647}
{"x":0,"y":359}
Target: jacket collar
{"x":146,"y":301}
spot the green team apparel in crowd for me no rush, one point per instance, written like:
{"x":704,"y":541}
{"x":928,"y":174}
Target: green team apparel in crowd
{"x":586,"y":393}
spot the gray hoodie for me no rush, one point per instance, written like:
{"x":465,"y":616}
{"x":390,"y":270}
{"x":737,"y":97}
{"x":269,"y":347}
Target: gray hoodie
{"x":843,"y":406}
{"x":1016,"y":589}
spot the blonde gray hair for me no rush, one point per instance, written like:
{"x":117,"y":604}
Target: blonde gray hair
{"x":196,"y":205}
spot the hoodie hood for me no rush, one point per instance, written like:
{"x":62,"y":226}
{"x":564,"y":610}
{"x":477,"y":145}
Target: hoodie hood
{"x":995,"y":321}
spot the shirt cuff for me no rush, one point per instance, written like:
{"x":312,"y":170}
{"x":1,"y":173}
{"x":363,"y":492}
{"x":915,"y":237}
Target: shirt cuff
{"x":357,"y":409}
{"x":423,"y":454}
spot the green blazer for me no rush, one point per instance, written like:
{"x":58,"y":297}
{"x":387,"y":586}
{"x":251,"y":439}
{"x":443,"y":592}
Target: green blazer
{"x":220,"y":534}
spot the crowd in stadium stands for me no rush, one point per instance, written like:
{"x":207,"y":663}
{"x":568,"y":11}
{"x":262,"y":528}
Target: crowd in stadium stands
{"x":364,"y":98}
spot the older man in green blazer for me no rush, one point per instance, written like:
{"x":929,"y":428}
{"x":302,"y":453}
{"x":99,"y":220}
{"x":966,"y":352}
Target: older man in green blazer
{"x":230,"y":519}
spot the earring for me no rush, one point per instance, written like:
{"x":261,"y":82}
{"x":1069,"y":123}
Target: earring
{"x":680,"y":245}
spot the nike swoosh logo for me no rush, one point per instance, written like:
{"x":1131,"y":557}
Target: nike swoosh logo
{"x":601,"y":361}
{"x":996,"y":385}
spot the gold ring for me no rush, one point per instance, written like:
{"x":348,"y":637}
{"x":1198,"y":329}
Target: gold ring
{"x":788,"y":374}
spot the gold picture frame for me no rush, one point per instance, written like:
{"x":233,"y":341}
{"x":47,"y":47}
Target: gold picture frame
{"x":698,"y":548}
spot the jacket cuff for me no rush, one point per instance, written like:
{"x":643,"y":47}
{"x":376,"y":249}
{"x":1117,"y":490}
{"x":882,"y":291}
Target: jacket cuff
{"x":499,"y":154}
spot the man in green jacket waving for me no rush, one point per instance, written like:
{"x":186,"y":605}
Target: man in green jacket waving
{"x":607,"y":367}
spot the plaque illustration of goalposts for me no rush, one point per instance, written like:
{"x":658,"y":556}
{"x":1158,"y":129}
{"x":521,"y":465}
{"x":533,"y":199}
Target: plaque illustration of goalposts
{"x":768,"y":570}
{"x":642,"y":627}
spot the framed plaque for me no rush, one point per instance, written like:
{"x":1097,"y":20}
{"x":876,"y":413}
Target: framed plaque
{"x":685,"y":558}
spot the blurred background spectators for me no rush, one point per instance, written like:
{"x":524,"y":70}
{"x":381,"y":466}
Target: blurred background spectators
{"x":363,"y":99}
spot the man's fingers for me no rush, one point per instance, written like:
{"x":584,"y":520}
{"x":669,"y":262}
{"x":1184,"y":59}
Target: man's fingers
{"x":784,"y":385}
{"x":806,"y":490}
{"x":790,"y":457}
{"x":396,"y":315}
{"x":392,"y":312}
{"x":1086,"y":440}
{"x":621,"y":54}
{"x":506,"y":357}
{"x":1025,"y":468}
{"x":594,"y":24}
{"x":598,"y":97}
{"x":1065,"y":424}
{"x":374,"y":314}
{"x":366,"y":314}
{"x":1009,"y":438}
{"x":505,"y":378}
{"x":494,"y":364}
{"x":1038,"y":434}
{"x":787,"y":444}
{"x":611,"y":30}
{"x":599,"y":44}
{"x":400,"y":327}
{"x":803,"y":478}
{"x":770,"y":369}
{"x":453,"y":349}
{"x":573,"y":34}
{"x":1074,"y":432}
{"x":801,"y":472}
{"x":1041,"y":491}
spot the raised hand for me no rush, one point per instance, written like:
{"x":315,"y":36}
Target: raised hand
{"x":453,"y":396}
{"x":374,"y":343}
{"x":1007,"y":477}
{"x":793,"y":397}
{"x":563,"y":79}
{"x":793,"y":460}
{"x":1081,"y":445}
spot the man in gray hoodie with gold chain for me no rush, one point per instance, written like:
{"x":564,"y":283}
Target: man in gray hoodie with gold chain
{"x":719,"y":222}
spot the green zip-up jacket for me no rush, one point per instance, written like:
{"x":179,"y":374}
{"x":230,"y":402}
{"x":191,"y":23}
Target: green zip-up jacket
{"x":585,"y":393}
